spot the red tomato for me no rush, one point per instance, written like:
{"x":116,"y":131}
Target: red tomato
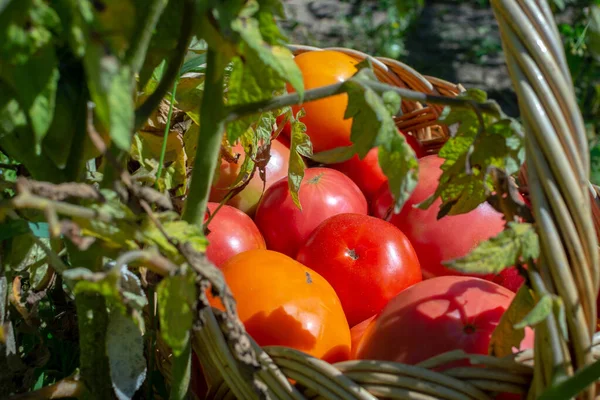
{"x":435,"y":316}
{"x":324,"y":192}
{"x":367,"y":261}
{"x":449,"y":237}
{"x":324,"y":120}
{"x":231,"y":232}
{"x":357,"y":332}
{"x":284,"y":303}
{"x":367,"y":173}
{"x":248,"y":199}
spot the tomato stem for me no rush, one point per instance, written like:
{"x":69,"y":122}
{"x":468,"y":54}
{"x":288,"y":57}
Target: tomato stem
{"x":239,"y":111}
{"x":163,"y":150}
{"x":140,"y":43}
{"x":172,"y":72}
{"x":208,"y":150}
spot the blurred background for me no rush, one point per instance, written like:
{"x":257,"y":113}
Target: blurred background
{"x":453,"y":40}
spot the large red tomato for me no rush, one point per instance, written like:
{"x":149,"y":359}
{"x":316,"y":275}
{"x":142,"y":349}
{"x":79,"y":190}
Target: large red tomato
{"x":284,"y":303}
{"x":248,"y":199}
{"x":231,"y":232}
{"x":324,"y":120}
{"x":449,"y":237}
{"x":324,"y":192}
{"x":367,"y":261}
{"x":435,"y":316}
{"x":367,"y":173}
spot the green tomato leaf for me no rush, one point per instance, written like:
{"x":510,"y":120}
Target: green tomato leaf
{"x":177,"y":296}
{"x":300,"y":146}
{"x":125,"y":351}
{"x":164,"y":40}
{"x":401,"y":167}
{"x":507,"y":335}
{"x":119,"y":233}
{"x":519,"y":241}
{"x":499,"y":143}
{"x":542,"y":309}
{"x":181,"y":370}
{"x":72,"y":24}
{"x":25,"y":28}
{"x":262,"y":66}
{"x":178,"y":230}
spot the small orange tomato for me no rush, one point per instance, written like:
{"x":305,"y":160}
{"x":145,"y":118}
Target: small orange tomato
{"x":324,"y":120}
{"x":283,"y":303}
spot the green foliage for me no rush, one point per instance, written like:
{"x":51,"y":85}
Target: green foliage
{"x":300,"y":147}
{"x":177,"y":297}
{"x":508,"y":334}
{"x":495,"y":141}
{"x":517,"y":243}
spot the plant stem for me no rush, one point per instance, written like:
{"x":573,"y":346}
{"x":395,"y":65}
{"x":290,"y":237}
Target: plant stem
{"x":42,"y":203}
{"x":92,"y":319}
{"x":236,"y":112}
{"x":163,"y":150}
{"x":212,"y":117}
{"x":136,"y":54}
{"x":172,"y":72}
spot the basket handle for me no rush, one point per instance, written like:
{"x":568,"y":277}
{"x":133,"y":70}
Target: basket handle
{"x":558,"y":181}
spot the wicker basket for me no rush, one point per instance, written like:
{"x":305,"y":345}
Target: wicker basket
{"x":565,"y":207}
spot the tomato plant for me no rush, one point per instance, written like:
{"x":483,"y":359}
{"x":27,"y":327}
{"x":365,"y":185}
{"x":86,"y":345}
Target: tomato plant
{"x":324,"y":120}
{"x":284,"y":303}
{"x":324,"y":192}
{"x":435,"y":316}
{"x":230,"y":232}
{"x":247,"y":200}
{"x":453,"y":236}
{"x":367,"y":261}
{"x":367,"y":173}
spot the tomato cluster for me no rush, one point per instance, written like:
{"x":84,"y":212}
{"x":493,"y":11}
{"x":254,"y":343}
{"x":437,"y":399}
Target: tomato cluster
{"x":338,"y":278}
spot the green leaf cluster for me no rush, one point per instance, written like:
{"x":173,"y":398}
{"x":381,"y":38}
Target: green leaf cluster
{"x":482,"y":141}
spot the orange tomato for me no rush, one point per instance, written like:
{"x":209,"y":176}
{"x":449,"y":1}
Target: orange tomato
{"x":247,"y":200}
{"x":284,"y":303}
{"x":324,"y":120}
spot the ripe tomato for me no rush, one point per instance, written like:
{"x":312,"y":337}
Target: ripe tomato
{"x":449,"y":237}
{"x":357,"y":332}
{"x":324,"y":120}
{"x":284,"y":303}
{"x":324,"y":192}
{"x":231,"y":232}
{"x":367,"y":261}
{"x":248,"y":199}
{"x":367,"y":173}
{"x":436,"y":316}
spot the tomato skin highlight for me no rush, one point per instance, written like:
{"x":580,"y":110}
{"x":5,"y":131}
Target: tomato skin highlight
{"x":435,"y":316}
{"x":282,"y":302}
{"x":324,"y":119}
{"x":368,"y":261}
{"x":324,"y":192}
{"x":231,"y":232}
{"x":247,"y":200}
{"x":450,"y":237}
